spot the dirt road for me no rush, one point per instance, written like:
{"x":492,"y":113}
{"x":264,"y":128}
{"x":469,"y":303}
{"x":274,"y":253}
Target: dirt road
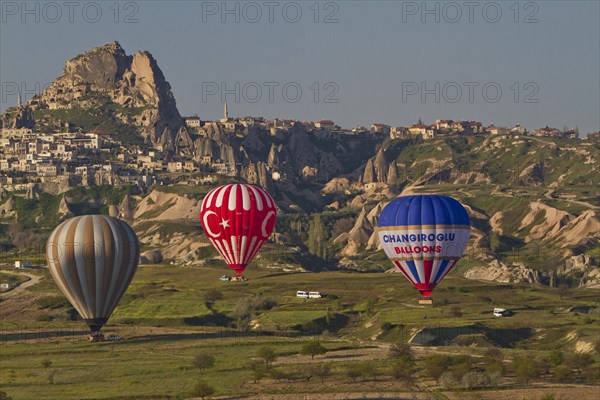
{"x":33,"y":280}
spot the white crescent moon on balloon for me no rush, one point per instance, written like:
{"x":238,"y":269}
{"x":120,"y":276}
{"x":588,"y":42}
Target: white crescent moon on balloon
{"x":205,"y":223}
{"x":263,"y":227}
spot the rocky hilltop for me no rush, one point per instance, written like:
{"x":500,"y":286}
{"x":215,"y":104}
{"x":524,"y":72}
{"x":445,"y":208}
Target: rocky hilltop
{"x":126,"y":92}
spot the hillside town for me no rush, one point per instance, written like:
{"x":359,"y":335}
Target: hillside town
{"x":72,"y":157}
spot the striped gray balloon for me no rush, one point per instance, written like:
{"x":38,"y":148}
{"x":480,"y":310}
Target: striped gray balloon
{"x":93,"y":259}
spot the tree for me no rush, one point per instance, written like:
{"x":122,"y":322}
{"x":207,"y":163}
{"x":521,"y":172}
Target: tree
{"x":579,"y":361}
{"x":562,"y":373}
{"x":51,"y":375}
{"x":556,"y":357}
{"x":258,"y":370}
{"x":204,"y":361}
{"x":436,"y":365}
{"x":456,"y":312}
{"x":313,"y":349}
{"x":403,"y":368}
{"x":336,"y":305}
{"x":401,"y":351}
{"x":202,"y":390}
{"x":563,"y":290}
{"x":267,"y":354}
{"x":46,"y":363}
{"x":306,"y":371}
{"x":322,"y":371}
{"x":4,"y":396}
{"x":243,"y":314}
{"x":211,"y":296}
{"x":354,"y":371}
{"x":525,"y":369}
{"x":495,"y":243}
{"x":370,"y":307}
{"x":317,"y":237}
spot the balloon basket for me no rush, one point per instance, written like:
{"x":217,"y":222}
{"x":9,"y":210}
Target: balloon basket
{"x":426,"y":302}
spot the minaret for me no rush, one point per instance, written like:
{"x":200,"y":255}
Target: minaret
{"x":19,"y":100}
{"x":225,"y":112}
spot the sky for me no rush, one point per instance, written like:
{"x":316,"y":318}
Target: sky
{"x":534,"y":63}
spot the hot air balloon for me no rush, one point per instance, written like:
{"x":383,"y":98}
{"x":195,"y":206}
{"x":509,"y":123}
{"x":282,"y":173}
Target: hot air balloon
{"x":93,"y":259}
{"x":238,"y":219}
{"x":424,"y":235}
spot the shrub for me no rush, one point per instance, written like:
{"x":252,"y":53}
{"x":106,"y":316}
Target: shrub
{"x":52,"y":302}
{"x":386,"y":326}
{"x":447,"y":380}
{"x":43,"y":318}
{"x":494,"y":353}
{"x":475,"y":379}
{"x":203,"y":390}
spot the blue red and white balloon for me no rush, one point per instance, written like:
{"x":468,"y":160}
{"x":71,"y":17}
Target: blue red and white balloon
{"x":424,"y":236}
{"x":238,"y":219}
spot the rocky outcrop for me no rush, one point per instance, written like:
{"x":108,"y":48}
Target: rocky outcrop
{"x":64,"y":211}
{"x":166,"y":206}
{"x":126,"y":208}
{"x":7,"y":209}
{"x":377,"y":169}
{"x":33,"y":192}
{"x":498,"y":271}
{"x":258,"y":174}
{"x":582,"y":265}
{"x":20,"y":117}
{"x":533,"y":175}
{"x":130,"y":90}
{"x":543,"y":221}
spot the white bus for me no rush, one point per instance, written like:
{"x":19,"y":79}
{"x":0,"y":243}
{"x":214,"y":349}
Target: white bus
{"x":301,"y":294}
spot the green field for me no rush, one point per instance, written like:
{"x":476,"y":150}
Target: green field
{"x":166,"y":322}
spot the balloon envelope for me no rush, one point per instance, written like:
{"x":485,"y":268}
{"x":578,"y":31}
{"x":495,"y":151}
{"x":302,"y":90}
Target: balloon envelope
{"x":93,"y":259}
{"x":238,"y":219}
{"x":424,"y":236}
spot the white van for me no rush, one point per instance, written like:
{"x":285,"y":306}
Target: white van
{"x":314,"y":295}
{"x":500,"y":312}
{"x":301,"y":294}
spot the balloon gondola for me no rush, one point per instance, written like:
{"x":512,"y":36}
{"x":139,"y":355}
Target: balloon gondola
{"x":238,"y":219}
{"x":424,"y":236}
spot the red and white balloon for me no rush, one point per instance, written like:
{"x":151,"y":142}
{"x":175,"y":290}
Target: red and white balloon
{"x":238,"y":219}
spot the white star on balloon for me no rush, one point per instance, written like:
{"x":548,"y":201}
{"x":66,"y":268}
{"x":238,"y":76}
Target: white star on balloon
{"x":224,"y":223}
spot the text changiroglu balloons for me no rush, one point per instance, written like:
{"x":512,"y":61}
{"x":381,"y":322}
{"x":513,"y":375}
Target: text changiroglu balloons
{"x":424,"y":235}
{"x":93,"y":259}
{"x":238,"y":219}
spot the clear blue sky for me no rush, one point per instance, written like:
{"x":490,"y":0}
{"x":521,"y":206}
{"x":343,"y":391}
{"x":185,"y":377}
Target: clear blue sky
{"x":375,"y":54}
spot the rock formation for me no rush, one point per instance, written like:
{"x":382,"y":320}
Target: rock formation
{"x":130,"y":90}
